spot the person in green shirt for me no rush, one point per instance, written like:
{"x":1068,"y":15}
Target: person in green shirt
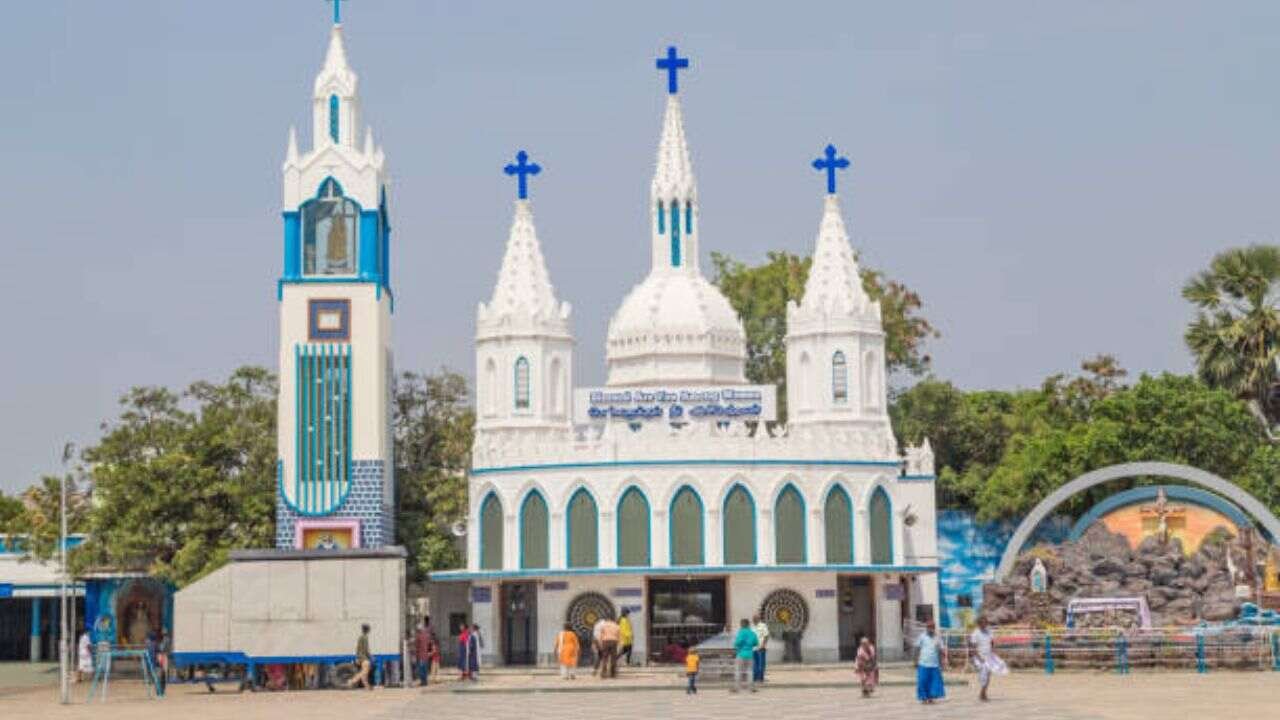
{"x":364,"y":661}
{"x":744,"y":647}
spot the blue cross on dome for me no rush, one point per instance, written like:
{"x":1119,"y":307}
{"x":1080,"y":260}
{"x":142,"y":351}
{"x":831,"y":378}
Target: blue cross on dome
{"x":337,"y":11}
{"x":830,"y":163}
{"x":673,"y":64}
{"x":522,"y":169}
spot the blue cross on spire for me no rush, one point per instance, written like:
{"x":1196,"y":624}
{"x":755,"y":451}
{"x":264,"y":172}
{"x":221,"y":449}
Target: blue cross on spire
{"x":337,"y":11}
{"x":831,"y":163}
{"x":522,"y":169}
{"x":672,"y":64}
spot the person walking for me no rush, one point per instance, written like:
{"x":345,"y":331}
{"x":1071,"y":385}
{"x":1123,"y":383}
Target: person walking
{"x":930,"y":654}
{"x":866,"y":667}
{"x":609,"y":635}
{"x":691,"y":665}
{"x":744,"y":648}
{"x":758,"y":657}
{"x":424,"y":641}
{"x":626,"y":636}
{"x":595,"y":646}
{"x":164,"y":646}
{"x":469,"y":652}
{"x":984,"y":658}
{"x":364,"y":661}
{"x":567,"y":651}
{"x":84,"y":651}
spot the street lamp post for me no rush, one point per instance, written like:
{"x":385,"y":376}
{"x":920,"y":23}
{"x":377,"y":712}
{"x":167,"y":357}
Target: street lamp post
{"x":63,"y":650}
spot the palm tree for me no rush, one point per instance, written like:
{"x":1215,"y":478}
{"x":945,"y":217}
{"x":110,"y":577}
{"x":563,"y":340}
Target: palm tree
{"x":1235,"y":336}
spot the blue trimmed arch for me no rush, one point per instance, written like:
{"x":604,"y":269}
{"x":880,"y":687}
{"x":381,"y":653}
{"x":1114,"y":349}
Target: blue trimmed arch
{"x":690,"y":550}
{"x":534,"y":531}
{"x":880,"y":526}
{"x":1133,"y":496}
{"x":491,"y":531}
{"x":582,"y":509}
{"x":739,"y":507}
{"x":837,"y":511}
{"x":627,"y":556}
{"x":789,"y":529}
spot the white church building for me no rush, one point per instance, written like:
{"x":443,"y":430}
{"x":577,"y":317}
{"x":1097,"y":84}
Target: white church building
{"x":666,"y":492}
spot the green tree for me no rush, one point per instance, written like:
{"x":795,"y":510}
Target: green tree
{"x":1235,"y":336}
{"x":174,"y":487}
{"x":39,"y":516}
{"x":10,"y":513}
{"x":433,"y":425}
{"x":760,"y":295}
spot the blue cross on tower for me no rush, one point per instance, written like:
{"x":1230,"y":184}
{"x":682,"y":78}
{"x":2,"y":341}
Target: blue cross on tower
{"x":831,"y":163}
{"x":672,"y":64}
{"x":522,"y":169}
{"x":337,"y":11}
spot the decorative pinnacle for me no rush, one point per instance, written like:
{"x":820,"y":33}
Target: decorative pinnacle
{"x":830,"y":163}
{"x":673,"y":64}
{"x":522,"y":169}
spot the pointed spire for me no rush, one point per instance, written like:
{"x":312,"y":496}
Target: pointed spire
{"x":834,"y":284}
{"x":336,"y":73}
{"x":291,"y":152}
{"x":673,"y":178}
{"x":524,"y":285}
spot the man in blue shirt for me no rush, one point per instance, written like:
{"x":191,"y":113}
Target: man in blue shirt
{"x":744,"y":647}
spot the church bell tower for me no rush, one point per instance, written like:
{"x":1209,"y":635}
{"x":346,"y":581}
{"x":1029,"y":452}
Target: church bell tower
{"x":336,"y":485}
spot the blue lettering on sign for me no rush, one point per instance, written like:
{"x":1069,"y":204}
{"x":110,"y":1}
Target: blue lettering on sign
{"x":677,"y":411}
{"x":481,"y":594}
{"x":824,"y":593}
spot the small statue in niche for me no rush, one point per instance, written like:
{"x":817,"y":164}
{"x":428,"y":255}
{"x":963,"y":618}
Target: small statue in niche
{"x":1039,"y":577}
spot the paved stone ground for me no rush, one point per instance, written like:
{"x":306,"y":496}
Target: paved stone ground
{"x":1026,"y":696}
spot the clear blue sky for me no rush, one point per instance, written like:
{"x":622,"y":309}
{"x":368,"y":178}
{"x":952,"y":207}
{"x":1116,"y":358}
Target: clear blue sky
{"x":1045,"y":175}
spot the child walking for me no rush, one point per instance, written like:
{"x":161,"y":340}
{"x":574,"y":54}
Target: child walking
{"x":691,"y":663}
{"x":567,"y":650}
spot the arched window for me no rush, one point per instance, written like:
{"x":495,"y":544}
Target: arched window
{"x":881,"y":519}
{"x":633,"y":529}
{"x":582,"y":533}
{"x":788,"y":526}
{"x":685,"y":517}
{"x":491,"y":387}
{"x":491,"y":533}
{"x":837,"y":519}
{"x":522,"y":383}
{"x":739,"y":527}
{"x":839,"y":378}
{"x":534,"y":544}
{"x":330,"y":231}
{"x":688,"y":218}
{"x":333,"y":117}
{"x":675,"y":233}
{"x":662,"y":219}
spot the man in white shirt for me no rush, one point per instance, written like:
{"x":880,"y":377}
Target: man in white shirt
{"x":595,"y":644}
{"x":983,"y":657}
{"x":761,"y":629}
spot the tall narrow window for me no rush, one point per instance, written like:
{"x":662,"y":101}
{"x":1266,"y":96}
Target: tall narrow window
{"x":333,"y":117}
{"x":534,"y":546}
{"x":688,"y":218}
{"x":633,"y":529}
{"x":839,"y":378}
{"x":491,"y":387}
{"x":837,"y":520}
{"x":686,"y":528}
{"x":491,"y":533}
{"x":323,"y":387}
{"x":330,"y":232}
{"x":739,"y":528}
{"x":880,"y":518}
{"x":675,"y":233}
{"x":662,"y":219}
{"x":788,"y":525}
{"x":522,"y":383}
{"x":582,"y":534}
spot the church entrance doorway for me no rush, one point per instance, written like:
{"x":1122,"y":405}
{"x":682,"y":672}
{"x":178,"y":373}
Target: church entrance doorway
{"x":857,"y":613}
{"x":519,"y":623}
{"x":682,"y":613}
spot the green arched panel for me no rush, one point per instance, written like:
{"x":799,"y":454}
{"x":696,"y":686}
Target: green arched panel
{"x":583,"y":531}
{"x":633,"y":529}
{"x":686,"y":528}
{"x":837,"y":518}
{"x":881,"y":528}
{"x":491,"y":533}
{"x":788,"y":527}
{"x":534,"y":546}
{"x":739,"y":527}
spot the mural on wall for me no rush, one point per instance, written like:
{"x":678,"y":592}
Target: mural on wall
{"x":124,"y":610}
{"x":969,"y":552}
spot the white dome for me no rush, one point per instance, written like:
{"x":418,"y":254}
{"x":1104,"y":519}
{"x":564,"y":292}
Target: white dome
{"x":675,"y":327}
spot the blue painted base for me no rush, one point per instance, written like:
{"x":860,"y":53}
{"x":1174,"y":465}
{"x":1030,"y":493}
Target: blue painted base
{"x":364,"y":503}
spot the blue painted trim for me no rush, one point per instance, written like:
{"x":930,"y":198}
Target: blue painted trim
{"x":333,"y":117}
{"x":1133,"y":496}
{"x":702,"y":527}
{"x":232,"y":657}
{"x":671,"y":463}
{"x":889,"y":511}
{"x":675,"y":233}
{"x":648,"y":516}
{"x":480,"y":521}
{"x":662,"y":219}
{"x":35,"y":617}
{"x":350,"y":280}
{"x":853,"y":534}
{"x":451,"y":575}
{"x":804,"y":530}
{"x":688,"y":218}
{"x":292,"y":244}
{"x":568,"y":527}
{"x":520,"y":528}
{"x":918,"y":478}
{"x":310,"y":500}
{"x":724,"y":523}
{"x":370,"y":241}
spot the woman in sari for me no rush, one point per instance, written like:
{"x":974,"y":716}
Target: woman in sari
{"x":866,"y":668}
